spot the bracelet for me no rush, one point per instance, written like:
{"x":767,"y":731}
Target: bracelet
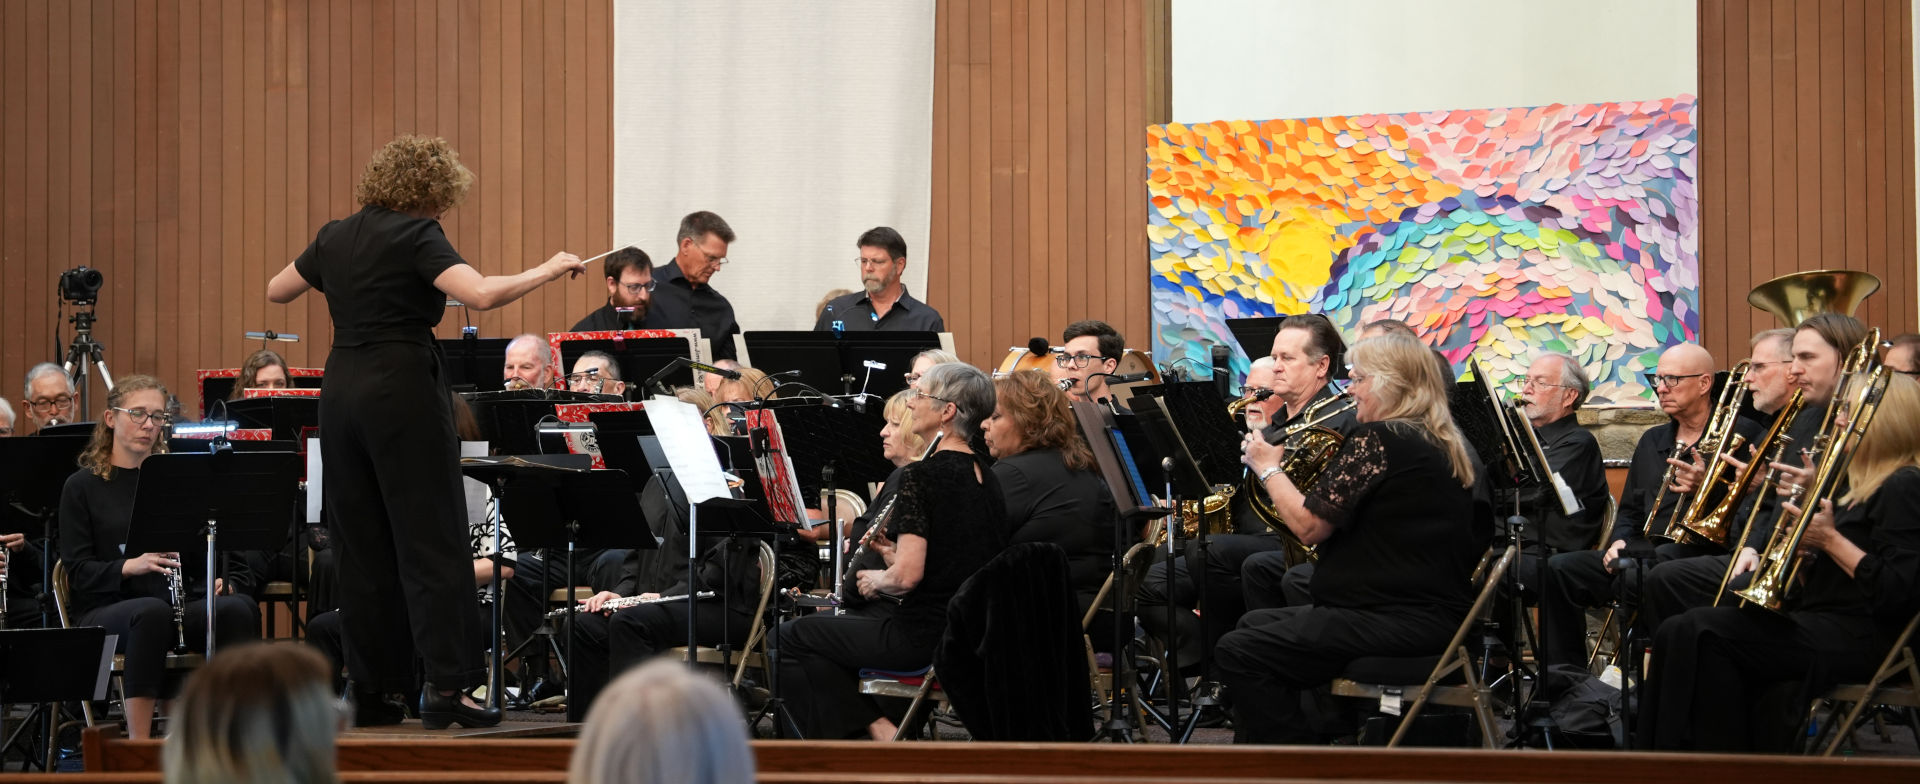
{"x":1268,"y":474}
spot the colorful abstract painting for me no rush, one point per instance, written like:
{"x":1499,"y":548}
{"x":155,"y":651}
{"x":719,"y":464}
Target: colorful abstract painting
{"x":1495,"y":232}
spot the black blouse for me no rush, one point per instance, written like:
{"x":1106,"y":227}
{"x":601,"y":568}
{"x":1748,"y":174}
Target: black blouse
{"x":1402,"y":524}
{"x":1886,"y":582}
{"x":1047,"y":502}
{"x":377,"y":268}
{"x":964,"y":521}
{"x":95,"y":516}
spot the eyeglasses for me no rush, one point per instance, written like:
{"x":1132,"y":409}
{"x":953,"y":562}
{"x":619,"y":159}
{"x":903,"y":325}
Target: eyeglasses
{"x":44,"y":405}
{"x":580,"y":381}
{"x":1764,"y":365}
{"x":1671,"y":381}
{"x":1909,"y":373}
{"x":635,"y":288}
{"x":1075,"y":361}
{"x":1534,"y":382}
{"x":141,"y":416}
{"x":711,"y":259}
{"x":866,"y":262}
{"x":912,"y":378}
{"x":935,"y":397}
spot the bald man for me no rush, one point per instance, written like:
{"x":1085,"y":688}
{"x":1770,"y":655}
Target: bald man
{"x":527,"y":358}
{"x":1683,"y":381}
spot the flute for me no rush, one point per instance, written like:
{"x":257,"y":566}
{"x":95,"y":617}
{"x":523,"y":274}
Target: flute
{"x":624,"y":602}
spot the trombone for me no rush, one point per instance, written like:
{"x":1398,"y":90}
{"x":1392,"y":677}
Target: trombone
{"x":1864,"y":380}
{"x":1717,"y":439}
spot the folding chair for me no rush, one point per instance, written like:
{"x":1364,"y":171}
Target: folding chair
{"x":1375,"y":677}
{"x":752,"y":652}
{"x":919,"y":686}
{"x":175,"y":661}
{"x":1134,"y":567}
{"x":1876,"y":691}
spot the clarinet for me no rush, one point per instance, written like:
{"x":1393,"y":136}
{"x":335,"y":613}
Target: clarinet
{"x":624,"y":602}
{"x":177,"y":594}
{"x":6,"y":568}
{"x":850,"y":585}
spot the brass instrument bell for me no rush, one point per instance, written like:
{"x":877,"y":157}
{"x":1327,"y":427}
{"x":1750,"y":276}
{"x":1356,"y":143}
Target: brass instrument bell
{"x":1792,"y":298}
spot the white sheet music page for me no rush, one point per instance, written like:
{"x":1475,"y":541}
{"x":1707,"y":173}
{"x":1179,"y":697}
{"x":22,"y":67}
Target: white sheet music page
{"x":683,"y":437}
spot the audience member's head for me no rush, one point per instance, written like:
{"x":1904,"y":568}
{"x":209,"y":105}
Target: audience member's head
{"x":255,"y":713}
{"x":264,"y":369}
{"x":661,"y":724}
{"x":527,"y":359}
{"x":49,"y":398}
{"x":596,"y":372}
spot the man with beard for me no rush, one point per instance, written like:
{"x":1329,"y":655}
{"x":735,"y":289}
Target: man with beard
{"x":883,"y":304}
{"x":629,"y":293}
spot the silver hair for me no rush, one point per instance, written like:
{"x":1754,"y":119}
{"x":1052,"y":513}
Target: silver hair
{"x":41,"y":370}
{"x":612,"y":373}
{"x":1781,"y":335}
{"x":661,"y":724}
{"x":1262,"y":362}
{"x":541,"y":345}
{"x":940,"y":356}
{"x":968,"y":388}
{"x":1572,"y":375}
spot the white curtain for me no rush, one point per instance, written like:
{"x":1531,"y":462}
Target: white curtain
{"x":802,"y":124}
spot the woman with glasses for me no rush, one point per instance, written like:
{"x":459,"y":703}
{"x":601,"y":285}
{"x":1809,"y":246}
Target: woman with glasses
{"x":948,"y":519}
{"x":393,"y":493}
{"x":126,"y":591}
{"x":1392,"y":518}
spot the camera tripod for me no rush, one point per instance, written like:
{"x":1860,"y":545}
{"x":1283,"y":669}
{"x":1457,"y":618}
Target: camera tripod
{"x":83,"y":352}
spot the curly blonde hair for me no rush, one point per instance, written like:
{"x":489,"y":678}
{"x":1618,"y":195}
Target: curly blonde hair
{"x":98,"y":456}
{"x":414,"y":174}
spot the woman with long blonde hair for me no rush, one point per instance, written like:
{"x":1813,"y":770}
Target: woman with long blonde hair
{"x":1392,"y":519}
{"x":127,"y":591}
{"x":1860,"y":584}
{"x":395,"y":503}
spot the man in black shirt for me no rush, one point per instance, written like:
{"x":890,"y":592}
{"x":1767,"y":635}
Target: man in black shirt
{"x":1555,"y":387}
{"x":884,"y":304}
{"x":684,"y":296}
{"x":1587,"y":578}
{"x":630,"y":288}
{"x":1090,"y":352}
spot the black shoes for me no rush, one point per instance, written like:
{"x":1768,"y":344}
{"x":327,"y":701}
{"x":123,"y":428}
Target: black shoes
{"x":377,"y":710}
{"x":439,"y":710}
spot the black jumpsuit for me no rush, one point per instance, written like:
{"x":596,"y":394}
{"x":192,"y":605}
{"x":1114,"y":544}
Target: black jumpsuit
{"x":392,"y":481}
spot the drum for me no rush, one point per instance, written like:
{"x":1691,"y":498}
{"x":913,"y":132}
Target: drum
{"x":1134,"y":361}
{"x":1019,"y":358}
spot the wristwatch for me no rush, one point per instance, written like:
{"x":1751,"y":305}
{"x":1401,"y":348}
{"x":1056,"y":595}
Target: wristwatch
{"x":1268,"y":474}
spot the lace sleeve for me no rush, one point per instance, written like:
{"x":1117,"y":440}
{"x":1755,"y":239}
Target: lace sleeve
{"x":910,"y":512}
{"x":1352,"y":474}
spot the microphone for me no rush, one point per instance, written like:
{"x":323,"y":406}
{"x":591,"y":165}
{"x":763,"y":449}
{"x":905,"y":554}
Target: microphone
{"x":680,"y":362}
{"x":1124,"y":378}
{"x":1038,"y":346}
{"x":1066,"y":383}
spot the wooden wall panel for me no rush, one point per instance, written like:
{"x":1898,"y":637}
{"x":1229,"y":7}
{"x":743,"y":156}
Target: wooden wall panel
{"x":1806,"y":155}
{"x":1039,"y":166}
{"x":189,"y":149}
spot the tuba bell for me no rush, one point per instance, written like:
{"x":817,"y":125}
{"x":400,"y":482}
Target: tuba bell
{"x":1792,"y":298}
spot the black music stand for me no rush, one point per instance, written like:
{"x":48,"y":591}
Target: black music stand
{"x":231,"y":500}
{"x":510,"y":420}
{"x":841,"y":446}
{"x":67,"y":429}
{"x":616,"y":434}
{"x":39,"y":666}
{"x":287,"y":415}
{"x":33,"y":472}
{"x":555,"y":507}
{"x":1131,"y":496}
{"x":1184,"y":479}
{"x":733,"y":519}
{"x":638,"y":358}
{"x":1255,"y":335}
{"x":473,"y":363}
{"x":828,"y":360}
{"x":214,"y":389}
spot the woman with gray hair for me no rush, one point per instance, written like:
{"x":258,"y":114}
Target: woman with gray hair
{"x":661,"y":724}
{"x":947,"y":520}
{"x":256,"y":713}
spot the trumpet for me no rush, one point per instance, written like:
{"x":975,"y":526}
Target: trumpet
{"x":1717,"y":439}
{"x":1840,"y":433}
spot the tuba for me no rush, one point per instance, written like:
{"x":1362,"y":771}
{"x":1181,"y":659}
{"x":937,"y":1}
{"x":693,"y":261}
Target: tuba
{"x":1863,"y":380}
{"x":1792,"y":298}
{"x":1717,"y":439}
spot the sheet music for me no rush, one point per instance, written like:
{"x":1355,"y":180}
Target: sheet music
{"x":683,"y":436}
{"x":313,"y":481}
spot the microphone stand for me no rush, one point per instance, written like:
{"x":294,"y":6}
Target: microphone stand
{"x":1174,"y":679}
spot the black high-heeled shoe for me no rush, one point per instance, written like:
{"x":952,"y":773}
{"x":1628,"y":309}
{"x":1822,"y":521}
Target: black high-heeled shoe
{"x":439,"y":710}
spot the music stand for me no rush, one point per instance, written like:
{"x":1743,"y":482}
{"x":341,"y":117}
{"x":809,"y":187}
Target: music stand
{"x":1202,"y":422}
{"x":67,"y":429}
{"x":1255,"y":335}
{"x":40,"y":666}
{"x":216,"y":388}
{"x":235,"y":500}
{"x":840,"y":446}
{"x":828,"y":360}
{"x":510,"y":420}
{"x":473,"y":363}
{"x":555,"y":507}
{"x":637,"y":358}
{"x":616,"y":435}
{"x":33,"y":472}
{"x":1184,"y":479}
{"x":287,"y":416}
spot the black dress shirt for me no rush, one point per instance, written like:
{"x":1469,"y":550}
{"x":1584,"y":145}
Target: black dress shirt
{"x":854,"y":313}
{"x":679,"y":304}
{"x":1572,"y":453}
{"x":1402,"y":524}
{"x":606,"y":319}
